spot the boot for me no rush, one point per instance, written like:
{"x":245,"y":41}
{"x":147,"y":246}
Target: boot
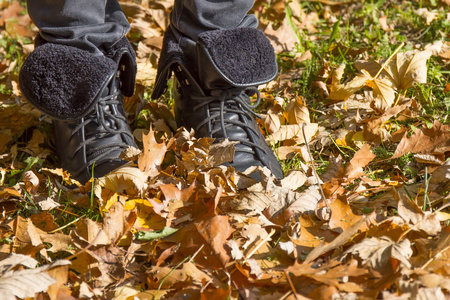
{"x":214,"y":80}
{"x":82,"y":93}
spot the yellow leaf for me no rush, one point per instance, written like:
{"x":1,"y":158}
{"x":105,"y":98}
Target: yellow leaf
{"x":383,"y":92}
{"x":132,"y":204}
{"x":340,"y":91}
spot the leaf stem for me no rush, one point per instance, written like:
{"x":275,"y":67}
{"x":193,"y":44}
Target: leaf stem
{"x":388,"y":60}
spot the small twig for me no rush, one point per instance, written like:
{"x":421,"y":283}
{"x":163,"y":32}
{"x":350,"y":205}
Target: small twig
{"x":85,"y":248}
{"x":67,"y":225}
{"x":425,"y":195}
{"x":434,"y":257}
{"x":272,"y":232}
{"x":291,"y":284}
{"x":196,"y":252}
{"x":190,"y":258}
{"x":314,"y":169}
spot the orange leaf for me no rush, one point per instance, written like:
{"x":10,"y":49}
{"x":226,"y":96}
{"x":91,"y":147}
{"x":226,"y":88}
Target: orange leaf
{"x":152,"y":154}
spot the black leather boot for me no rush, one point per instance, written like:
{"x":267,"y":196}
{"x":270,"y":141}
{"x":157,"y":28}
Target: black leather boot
{"x":214,"y":79}
{"x":82,"y":94}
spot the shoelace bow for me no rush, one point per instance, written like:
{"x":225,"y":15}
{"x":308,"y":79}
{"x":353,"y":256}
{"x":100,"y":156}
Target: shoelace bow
{"x":226,"y":99}
{"x":110,"y":125}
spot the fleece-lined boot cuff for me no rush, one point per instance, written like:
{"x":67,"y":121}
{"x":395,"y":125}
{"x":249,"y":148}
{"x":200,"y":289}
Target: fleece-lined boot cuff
{"x":240,"y":57}
{"x":65,"y":82}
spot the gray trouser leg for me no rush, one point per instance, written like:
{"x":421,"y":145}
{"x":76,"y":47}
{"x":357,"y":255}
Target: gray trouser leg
{"x":95,"y":25}
{"x":192,"y":17}
{"x":92,"y":25}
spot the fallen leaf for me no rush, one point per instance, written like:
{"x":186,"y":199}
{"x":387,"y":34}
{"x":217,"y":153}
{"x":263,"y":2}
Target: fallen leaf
{"x":378,"y":251}
{"x":31,"y":181}
{"x":340,"y":91}
{"x":373,"y":127}
{"x":296,"y":112}
{"x":425,"y":141}
{"x":413,"y":214}
{"x":282,"y":39}
{"x":150,"y":160}
{"x":428,"y":15}
{"x":272,"y":122}
{"x":215,"y":231}
{"x":294,"y":132}
{"x":26,"y":283}
{"x":383,"y":91}
{"x":128,"y":179}
{"x":384,"y":25}
{"x":340,"y":240}
{"x":220,"y":153}
{"x":359,"y":161}
{"x":294,"y":180}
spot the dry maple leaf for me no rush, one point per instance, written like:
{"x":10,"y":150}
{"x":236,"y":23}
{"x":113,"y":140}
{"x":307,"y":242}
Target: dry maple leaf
{"x":215,"y":231}
{"x":360,"y":160}
{"x":428,"y":140}
{"x":383,"y":92}
{"x":378,"y":251}
{"x":373,"y":128}
{"x":128,"y":179}
{"x":400,"y":73}
{"x":342,"y":216}
{"x":405,"y":68}
{"x":152,"y":155}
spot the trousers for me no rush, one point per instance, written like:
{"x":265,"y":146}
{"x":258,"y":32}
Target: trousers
{"x":96,"y":25}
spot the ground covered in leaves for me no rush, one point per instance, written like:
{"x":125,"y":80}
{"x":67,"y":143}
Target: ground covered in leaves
{"x":358,"y":117}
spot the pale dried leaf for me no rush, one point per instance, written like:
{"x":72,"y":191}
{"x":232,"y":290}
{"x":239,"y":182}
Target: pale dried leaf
{"x":48,"y":204}
{"x":282,"y":39}
{"x":428,"y":159}
{"x":383,"y":91}
{"x":294,"y":132}
{"x":378,"y":251}
{"x":430,"y":293}
{"x":31,"y":181}
{"x":26,"y":283}
{"x":272,"y":122}
{"x":428,"y":15}
{"x":17,"y":259}
{"x":384,"y":25}
{"x":413,"y":214}
{"x":255,"y":269}
{"x":236,"y":253}
{"x":294,"y":180}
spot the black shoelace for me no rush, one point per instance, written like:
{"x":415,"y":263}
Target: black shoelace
{"x":108,"y":125}
{"x":234,"y":101}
